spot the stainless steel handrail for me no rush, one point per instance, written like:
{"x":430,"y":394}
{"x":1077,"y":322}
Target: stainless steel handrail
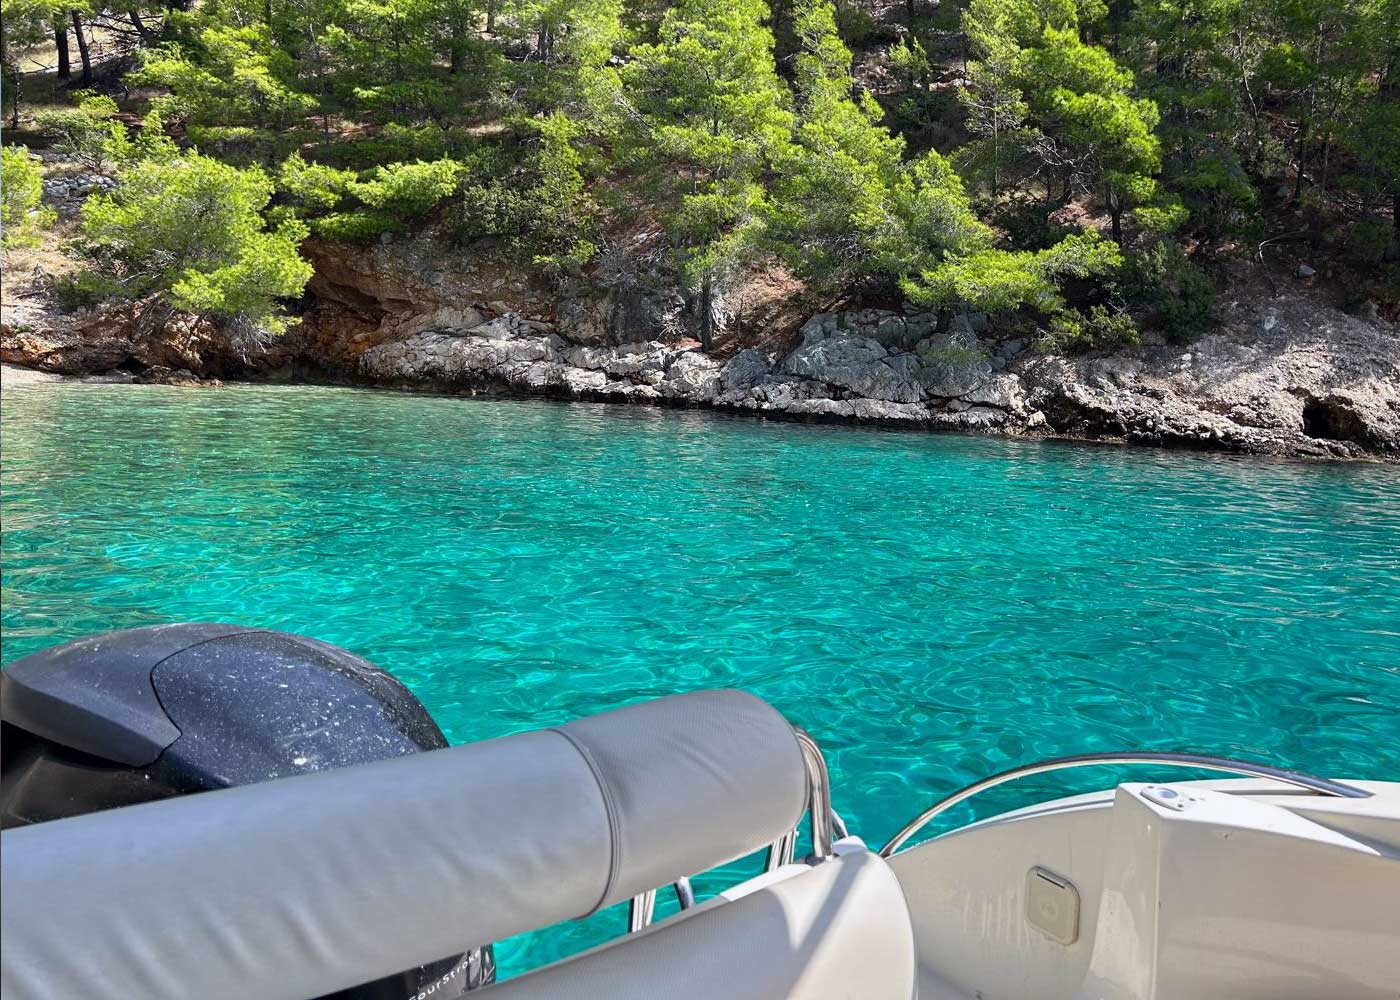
{"x":780,"y":852}
{"x":1200,"y":761}
{"x":818,"y":796}
{"x":641,"y":910}
{"x":685,"y":895}
{"x":824,"y":824}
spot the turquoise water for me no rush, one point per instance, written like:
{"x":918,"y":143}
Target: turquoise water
{"x":931,"y":608}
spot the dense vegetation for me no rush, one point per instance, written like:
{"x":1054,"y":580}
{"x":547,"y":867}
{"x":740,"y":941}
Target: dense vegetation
{"x":1089,"y":165}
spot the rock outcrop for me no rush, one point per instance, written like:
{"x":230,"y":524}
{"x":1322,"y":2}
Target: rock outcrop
{"x":1298,"y":380}
{"x":1289,"y":377}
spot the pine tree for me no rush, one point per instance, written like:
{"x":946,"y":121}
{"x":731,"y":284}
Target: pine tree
{"x":706,"y":113}
{"x":1066,"y":100}
{"x":833,"y":200}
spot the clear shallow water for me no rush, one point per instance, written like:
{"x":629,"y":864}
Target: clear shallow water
{"x":932,"y":608}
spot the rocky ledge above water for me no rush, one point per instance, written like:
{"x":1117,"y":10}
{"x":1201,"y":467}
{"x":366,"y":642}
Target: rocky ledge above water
{"x":1283,"y":376}
{"x":1294,"y":379}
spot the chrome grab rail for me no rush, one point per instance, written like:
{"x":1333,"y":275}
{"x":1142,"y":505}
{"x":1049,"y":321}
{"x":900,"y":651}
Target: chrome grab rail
{"x":642,"y":908}
{"x":825,"y":823}
{"x":1200,"y":761}
{"x":818,"y":797}
{"x":780,"y":851}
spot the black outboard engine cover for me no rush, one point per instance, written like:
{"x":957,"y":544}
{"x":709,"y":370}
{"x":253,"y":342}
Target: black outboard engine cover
{"x":148,"y":713}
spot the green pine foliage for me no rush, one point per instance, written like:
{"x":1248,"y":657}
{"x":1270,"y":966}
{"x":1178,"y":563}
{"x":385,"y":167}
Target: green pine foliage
{"x":21,"y":186}
{"x":87,"y":132}
{"x":706,"y":115}
{"x":1084,"y":162}
{"x":191,"y":229}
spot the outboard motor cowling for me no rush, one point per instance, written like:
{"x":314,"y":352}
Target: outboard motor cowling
{"x":148,"y":713}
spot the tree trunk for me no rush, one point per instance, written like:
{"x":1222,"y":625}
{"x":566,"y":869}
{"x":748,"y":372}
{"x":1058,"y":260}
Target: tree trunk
{"x":1115,"y":211}
{"x":60,"y":41}
{"x":1297,"y":180}
{"x":83,"y":53}
{"x":267,"y":12}
{"x":996,"y":165}
{"x":14,"y":89}
{"x":706,"y":315}
{"x":9,"y":81}
{"x":1300,"y":148}
{"x":491,"y":19}
{"x":140,"y":26}
{"x":457,"y":43}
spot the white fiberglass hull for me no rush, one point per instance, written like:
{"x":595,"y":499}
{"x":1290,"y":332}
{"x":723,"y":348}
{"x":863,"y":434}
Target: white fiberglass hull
{"x":1193,"y":890}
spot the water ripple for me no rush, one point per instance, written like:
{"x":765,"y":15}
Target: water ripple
{"x":932,"y":608}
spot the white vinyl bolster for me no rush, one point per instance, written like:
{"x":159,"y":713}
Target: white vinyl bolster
{"x":301,"y":886}
{"x":839,"y":931}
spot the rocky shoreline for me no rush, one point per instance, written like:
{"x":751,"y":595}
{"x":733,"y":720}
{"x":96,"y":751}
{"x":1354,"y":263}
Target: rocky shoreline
{"x":1284,"y":376}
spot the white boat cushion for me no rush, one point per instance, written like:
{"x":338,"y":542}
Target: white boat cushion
{"x":838,"y":930}
{"x":301,"y":886}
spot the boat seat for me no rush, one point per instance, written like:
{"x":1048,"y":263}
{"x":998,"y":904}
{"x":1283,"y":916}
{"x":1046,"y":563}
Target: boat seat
{"x":837,"y":931}
{"x":306,"y":885}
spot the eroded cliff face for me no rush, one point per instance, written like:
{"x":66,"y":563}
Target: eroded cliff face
{"x":1283,"y":376}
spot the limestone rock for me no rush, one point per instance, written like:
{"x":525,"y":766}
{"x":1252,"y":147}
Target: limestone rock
{"x":1294,"y":378}
{"x":859,"y":365}
{"x":745,"y":370}
{"x":1287,"y":376}
{"x":692,"y":376}
{"x":1004,"y":392}
{"x":952,"y":363}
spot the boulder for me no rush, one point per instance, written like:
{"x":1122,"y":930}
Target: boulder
{"x":952,"y":363}
{"x":745,"y":370}
{"x":1004,"y":392}
{"x":820,"y":327}
{"x":859,"y":365}
{"x":692,"y":376}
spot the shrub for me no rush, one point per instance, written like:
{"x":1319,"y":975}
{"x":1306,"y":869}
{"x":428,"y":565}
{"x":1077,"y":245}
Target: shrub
{"x":396,"y":142}
{"x":1368,"y":242}
{"x":192,"y":229}
{"x":564,"y":212}
{"x":1180,"y":293}
{"x":21,"y":188}
{"x":1002,"y":280}
{"x":856,"y":25}
{"x":954,"y":356}
{"x":545,"y":212}
{"x":313,"y":187}
{"x":356,"y":226}
{"x":391,"y":196}
{"x":1072,"y":331}
{"x":87,"y":132}
{"x":85,"y":289}
{"x":493,"y":209}
{"x":1028,"y":225}
{"x":409,"y":189}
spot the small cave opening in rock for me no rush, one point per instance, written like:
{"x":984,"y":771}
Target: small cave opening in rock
{"x":131,"y":366}
{"x":1327,"y":420}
